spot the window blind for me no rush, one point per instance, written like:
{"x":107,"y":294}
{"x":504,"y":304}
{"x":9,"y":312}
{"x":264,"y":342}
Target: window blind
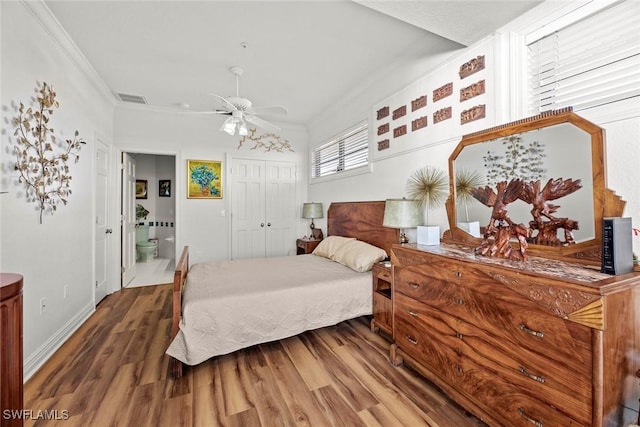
{"x":593,"y":62}
{"x":346,"y":152}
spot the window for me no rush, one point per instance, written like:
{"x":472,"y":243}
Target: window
{"x":590,"y":63}
{"x":346,"y":152}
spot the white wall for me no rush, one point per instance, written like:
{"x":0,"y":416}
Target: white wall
{"x":389,"y":176}
{"x":201,"y":224}
{"x":60,"y":251}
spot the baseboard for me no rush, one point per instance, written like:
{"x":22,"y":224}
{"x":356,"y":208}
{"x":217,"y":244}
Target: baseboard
{"x":35,"y":360}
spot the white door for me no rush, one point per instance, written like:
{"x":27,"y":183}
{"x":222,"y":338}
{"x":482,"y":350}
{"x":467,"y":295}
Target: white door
{"x":263,"y":212}
{"x":280,"y":210}
{"x":248,"y":225}
{"x":128,"y":214}
{"x":103,"y":232}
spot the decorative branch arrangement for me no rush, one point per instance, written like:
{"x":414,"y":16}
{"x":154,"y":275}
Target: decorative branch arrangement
{"x":519,"y":161}
{"x":267,"y":142}
{"x":429,"y":187}
{"x":42,"y":167}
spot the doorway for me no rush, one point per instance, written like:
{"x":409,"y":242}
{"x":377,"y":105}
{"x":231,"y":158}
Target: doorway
{"x":148,"y":209}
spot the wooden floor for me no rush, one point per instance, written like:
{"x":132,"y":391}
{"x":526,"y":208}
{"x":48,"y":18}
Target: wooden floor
{"x":113,"y":372}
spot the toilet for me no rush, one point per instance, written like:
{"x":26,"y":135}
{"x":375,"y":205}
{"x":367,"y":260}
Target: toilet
{"x":144,"y":248}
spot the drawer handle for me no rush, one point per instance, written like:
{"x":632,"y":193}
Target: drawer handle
{"x":524,"y":328}
{"x":412,"y":313}
{"x":458,"y":274}
{"x":412,"y":340}
{"x":529,"y":419}
{"x":459,"y":335}
{"x":413,"y":285}
{"x":459,"y":370}
{"x":459,"y":301}
{"x":526,"y":373}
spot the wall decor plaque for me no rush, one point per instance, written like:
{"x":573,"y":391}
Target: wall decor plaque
{"x":441,"y":115}
{"x":399,"y":131}
{"x":382,"y":113}
{"x":471,"y":67}
{"x":475,"y":113}
{"x":382,"y":129}
{"x":418,"y":103}
{"x":419,"y":123}
{"x":471,"y":91}
{"x":399,"y":112}
{"x":383,"y":145}
{"x":442,"y":92}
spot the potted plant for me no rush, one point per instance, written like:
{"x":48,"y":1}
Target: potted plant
{"x":428,"y":186}
{"x":141,"y":213}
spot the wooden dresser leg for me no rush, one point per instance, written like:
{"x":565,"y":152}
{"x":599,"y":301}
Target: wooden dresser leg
{"x":394,"y":357}
{"x":374,"y":327}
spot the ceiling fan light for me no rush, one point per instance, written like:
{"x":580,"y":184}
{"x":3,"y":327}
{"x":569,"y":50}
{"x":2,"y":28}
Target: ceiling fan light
{"x":242,"y":129}
{"x":229,"y":126}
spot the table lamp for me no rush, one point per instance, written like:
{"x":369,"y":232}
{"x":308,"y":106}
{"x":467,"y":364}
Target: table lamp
{"x":402,"y":213}
{"x":312,"y":211}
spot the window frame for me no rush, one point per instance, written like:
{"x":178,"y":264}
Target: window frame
{"x":337,"y":139}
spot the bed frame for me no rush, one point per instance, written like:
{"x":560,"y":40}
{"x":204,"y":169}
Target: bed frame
{"x":362,"y":220}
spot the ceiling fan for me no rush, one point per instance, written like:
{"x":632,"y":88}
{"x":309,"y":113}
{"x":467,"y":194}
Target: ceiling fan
{"x":241,"y":111}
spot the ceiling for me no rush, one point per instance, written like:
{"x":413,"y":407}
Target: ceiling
{"x":304,"y":55}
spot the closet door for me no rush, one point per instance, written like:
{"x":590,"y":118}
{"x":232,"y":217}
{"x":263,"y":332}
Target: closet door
{"x":247,"y":209}
{"x":280,"y":211}
{"x":263,"y":208}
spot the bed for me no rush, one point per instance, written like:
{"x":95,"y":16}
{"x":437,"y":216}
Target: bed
{"x":221,"y":307}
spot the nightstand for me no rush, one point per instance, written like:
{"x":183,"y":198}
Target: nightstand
{"x":382,"y":307}
{"x":305,"y":246}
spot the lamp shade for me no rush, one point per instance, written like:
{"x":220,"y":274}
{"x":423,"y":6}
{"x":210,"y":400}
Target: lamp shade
{"x":312,"y":210}
{"x":401,"y":213}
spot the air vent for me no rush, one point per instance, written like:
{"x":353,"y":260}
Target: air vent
{"x":136,"y":99}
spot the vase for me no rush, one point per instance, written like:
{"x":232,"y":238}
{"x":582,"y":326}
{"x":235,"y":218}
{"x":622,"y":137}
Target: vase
{"x":206,"y":191}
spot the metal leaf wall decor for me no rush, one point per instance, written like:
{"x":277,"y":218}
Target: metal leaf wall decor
{"x":41,"y":161}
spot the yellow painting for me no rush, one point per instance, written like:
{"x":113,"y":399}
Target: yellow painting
{"x":204,"y":178}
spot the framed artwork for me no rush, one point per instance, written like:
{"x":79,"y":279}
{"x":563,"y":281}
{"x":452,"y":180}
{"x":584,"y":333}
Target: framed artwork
{"x":204,"y":179}
{"x":164,"y":188}
{"x":141,"y":188}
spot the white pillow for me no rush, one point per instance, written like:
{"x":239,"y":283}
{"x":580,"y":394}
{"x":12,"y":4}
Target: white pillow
{"x":330,"y":244}
{"x":359,"y":256}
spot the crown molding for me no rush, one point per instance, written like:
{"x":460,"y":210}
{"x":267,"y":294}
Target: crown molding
{"x":58,"y":34}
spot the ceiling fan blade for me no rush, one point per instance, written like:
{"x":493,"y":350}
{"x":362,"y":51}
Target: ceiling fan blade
{"x":211,"y":113}
{"x":261,"y":123}
{"x":225,"y":102}
{"x":270,"y":109}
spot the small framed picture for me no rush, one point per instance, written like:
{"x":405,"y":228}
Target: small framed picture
{"x":164,"y":188}
{"x":141,"y":188}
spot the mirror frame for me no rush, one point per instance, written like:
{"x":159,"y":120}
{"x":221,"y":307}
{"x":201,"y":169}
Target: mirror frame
{"x":605,"y":202}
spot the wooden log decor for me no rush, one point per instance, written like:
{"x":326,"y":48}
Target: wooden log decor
{"x":475,"y":113}
{"x":471,"y":67}
{"x":399,"y":112}
{"x":382,"y":129}
{"x":472,"y":91}
{"x":383,"y":112}
{"x":419,"y":123}
{"x":399,"y":131}
{"x":441,"y":114}
{"x":383,"y":145}
{"x":442,"y":92}
{"x":418,"y":103}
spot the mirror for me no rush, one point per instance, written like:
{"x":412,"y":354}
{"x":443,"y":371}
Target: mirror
{"x":553,"y":145}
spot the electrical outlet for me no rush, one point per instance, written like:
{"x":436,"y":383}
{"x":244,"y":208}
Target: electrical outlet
{"x":66,"y":291}
{"x":43,"y":305}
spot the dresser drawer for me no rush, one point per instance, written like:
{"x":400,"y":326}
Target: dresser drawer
{"x":483,"y":302}
{"x":480,"y":364}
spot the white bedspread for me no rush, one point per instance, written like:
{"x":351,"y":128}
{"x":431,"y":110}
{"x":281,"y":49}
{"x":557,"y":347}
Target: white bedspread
{"x":231,"y":305}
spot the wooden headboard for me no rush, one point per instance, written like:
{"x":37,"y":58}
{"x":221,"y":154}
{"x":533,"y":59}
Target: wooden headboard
{"x":362,"y":220}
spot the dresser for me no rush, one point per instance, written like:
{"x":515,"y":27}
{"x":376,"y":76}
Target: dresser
{"x":11,"y":388}
{"x":541,"y":342}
